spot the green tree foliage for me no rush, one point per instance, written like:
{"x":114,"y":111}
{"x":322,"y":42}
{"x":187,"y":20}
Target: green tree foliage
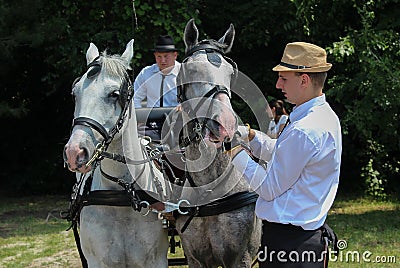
{"x":367,"y":86}
{"x":43,"y":45}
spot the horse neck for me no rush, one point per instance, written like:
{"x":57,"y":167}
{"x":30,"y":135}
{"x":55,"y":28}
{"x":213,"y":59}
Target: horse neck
{"x":219,"y":176}
{"x":115,"y":168}
{"x":128,"y":144}
{"x":111,"y":166}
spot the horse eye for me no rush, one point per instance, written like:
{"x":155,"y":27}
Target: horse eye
{"x":114,"y":94}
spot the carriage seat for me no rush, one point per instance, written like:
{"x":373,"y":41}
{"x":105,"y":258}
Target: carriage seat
{"x":156,"y":114}
{"x":162,"y":124}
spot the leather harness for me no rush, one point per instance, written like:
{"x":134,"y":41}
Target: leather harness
{"x":130,"y":196}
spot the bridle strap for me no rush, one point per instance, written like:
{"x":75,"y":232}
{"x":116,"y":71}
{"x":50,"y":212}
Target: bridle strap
{"x":212,"y":93}
{"x":200,"y":124}
{"x":89,"y":122}
{"x":204,"y":46}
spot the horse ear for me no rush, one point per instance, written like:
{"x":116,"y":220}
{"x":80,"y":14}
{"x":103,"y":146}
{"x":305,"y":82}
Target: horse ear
{"x":191,"y":35}
{"x":128,"y":54}
{"x":227,"y":39}
{"x":91,"y":53}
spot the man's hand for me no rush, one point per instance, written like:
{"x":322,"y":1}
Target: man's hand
{"x":246,"y":133}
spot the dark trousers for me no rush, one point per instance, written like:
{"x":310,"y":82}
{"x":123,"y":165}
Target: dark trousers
{"x":285,"y":245}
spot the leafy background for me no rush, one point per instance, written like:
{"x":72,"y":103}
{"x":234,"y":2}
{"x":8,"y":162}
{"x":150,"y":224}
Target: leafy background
{"x":43,"y":43}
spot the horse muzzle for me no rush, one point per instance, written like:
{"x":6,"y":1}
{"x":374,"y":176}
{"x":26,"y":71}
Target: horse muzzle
{"x":218,"y":131}
{"x":77,"y":152}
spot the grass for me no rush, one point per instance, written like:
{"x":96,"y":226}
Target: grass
{"x":368,"y":227}
{"x":33,"y":235}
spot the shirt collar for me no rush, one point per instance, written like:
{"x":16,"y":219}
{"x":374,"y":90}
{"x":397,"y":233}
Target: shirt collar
{"x":302,"y":110}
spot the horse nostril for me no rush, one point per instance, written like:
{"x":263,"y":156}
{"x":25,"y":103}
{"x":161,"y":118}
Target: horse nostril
{"x":82,"y":157}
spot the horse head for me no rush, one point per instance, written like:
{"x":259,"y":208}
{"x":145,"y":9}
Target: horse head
{"x":101,"y":97}
{"x":204,"y":85}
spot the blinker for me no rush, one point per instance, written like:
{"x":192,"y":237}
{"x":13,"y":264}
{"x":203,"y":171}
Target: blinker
{"x":94,"y":71}
{"x":214,"y":58}
{"x":96,"y":67}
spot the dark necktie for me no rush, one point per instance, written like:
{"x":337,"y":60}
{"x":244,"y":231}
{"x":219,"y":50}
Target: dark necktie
{"x":287,"y":123}
{"x":162,"y":91}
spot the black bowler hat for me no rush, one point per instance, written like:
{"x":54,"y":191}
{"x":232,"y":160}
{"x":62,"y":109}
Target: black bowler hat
{"x":164,"y":43}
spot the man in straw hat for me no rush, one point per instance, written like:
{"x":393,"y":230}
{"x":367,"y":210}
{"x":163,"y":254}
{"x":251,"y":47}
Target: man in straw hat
{"x":299,"y":184}
{"x":157,"y":83}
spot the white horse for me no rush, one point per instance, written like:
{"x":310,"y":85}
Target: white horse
{"x":112,"y":235}
{"x":219,"y":231}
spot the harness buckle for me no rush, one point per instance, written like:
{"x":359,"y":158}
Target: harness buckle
{"x":97,"y":153}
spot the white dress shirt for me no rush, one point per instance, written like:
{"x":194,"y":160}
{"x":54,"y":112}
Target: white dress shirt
{"x":301,"y":179}
{"x":147,"y":85}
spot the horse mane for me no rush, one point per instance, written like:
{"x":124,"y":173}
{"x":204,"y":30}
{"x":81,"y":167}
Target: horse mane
{"x":114,"y":65}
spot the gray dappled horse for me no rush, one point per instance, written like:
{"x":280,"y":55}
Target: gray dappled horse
{"x":227,"y":238}
{"x":111,"y":235}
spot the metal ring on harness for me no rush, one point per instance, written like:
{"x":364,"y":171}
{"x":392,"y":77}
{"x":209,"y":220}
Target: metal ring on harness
{"x":145,"y":204}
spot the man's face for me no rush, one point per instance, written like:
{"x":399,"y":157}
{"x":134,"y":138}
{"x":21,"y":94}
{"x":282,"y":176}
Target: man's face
{"x":165,"y":59}
{"x":291,"y":85}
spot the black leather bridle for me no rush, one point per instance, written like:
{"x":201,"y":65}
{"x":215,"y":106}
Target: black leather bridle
{"x":126,"y":91}
{"x":213,"y":53}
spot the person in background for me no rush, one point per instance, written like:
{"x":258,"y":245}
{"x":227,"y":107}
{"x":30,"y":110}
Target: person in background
{"x":299,"y":184}
{"x":280,"y":116}
{"x":157,"y":83}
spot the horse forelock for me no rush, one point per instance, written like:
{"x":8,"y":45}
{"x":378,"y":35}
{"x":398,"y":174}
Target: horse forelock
{"x":114,"y":66}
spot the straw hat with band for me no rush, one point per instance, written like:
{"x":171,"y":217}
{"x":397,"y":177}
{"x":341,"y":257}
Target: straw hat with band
{"x":303,"y":57}
{"x":164,"y":43}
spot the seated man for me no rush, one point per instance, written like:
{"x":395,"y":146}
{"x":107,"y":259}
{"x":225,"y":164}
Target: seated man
{"x":157,"y":84}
